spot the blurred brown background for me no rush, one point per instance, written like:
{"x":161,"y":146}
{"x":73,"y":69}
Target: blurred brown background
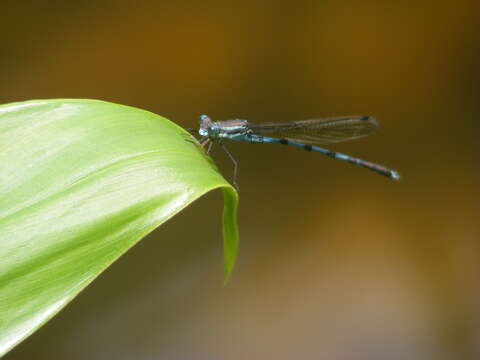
{"x":335,"y":262}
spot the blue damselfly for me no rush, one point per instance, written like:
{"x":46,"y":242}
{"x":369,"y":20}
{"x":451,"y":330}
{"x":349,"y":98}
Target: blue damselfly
{"x":305,"y":134}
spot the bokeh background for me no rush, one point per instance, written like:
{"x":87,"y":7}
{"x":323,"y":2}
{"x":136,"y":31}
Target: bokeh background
{"x":335,"y":262}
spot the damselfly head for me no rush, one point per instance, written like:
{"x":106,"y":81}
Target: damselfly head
{"x":205,"y":123}
{"x":204,"y":119}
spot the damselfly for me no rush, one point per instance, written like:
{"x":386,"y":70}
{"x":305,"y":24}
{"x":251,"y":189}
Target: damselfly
{"x":305,"y":134}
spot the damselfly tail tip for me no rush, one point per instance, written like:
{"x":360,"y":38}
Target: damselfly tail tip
{"x":394,"y":175}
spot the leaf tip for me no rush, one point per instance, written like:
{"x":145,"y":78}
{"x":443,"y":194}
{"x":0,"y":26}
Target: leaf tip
{"x":230,"y":231}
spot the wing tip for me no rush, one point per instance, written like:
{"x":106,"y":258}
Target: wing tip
{"x":369,"y":119}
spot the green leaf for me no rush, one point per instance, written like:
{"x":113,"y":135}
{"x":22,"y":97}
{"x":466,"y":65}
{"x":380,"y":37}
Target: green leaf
{"x":81,"y":181}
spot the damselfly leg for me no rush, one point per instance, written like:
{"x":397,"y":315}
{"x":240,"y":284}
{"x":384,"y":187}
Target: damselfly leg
{"x":204,"y":141}
{"x":209,"y":147}
{"x":234,"y":165}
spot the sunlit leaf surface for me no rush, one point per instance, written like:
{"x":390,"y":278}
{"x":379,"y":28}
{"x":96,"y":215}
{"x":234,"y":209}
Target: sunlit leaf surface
{"x":81,"y":181}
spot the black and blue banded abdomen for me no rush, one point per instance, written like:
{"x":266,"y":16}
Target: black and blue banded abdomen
{"x":335,"y":155}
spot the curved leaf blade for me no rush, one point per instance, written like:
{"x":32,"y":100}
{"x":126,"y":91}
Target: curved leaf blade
{"x":81,"y":181}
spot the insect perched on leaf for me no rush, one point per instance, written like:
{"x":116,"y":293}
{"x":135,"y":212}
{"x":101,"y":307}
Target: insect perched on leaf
{"x":305,"y":134}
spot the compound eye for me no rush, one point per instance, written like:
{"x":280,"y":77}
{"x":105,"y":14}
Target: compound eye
{"x":203,"y":118}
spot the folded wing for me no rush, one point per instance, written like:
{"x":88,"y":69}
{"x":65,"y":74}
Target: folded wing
{"x":319,"y":131}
